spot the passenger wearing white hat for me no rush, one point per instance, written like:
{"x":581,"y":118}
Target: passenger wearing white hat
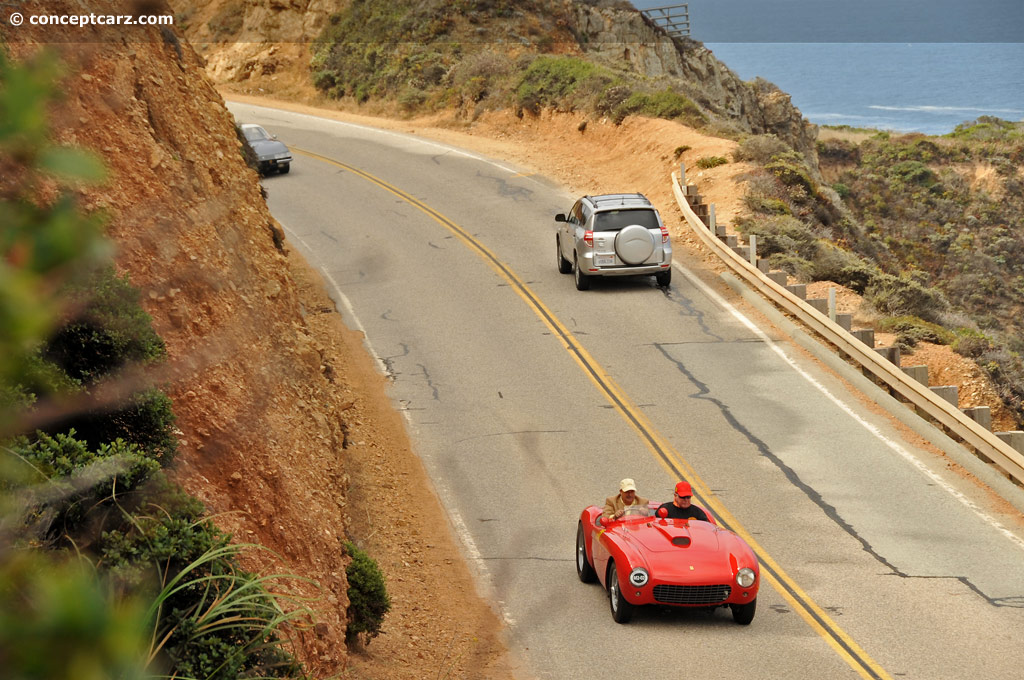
{"x":615,"y":506}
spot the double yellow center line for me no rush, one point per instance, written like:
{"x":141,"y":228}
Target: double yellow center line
{"x":666,"y":454}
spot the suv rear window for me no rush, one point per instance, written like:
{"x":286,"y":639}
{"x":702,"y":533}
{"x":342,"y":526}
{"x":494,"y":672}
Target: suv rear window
{"x":614,"y":220}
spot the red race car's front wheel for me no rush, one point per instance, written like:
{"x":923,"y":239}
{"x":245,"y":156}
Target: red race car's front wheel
{"x":622,"y":611}
{"x":743,"y":614}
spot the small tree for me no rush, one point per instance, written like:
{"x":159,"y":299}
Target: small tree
{"x":368,"y":599}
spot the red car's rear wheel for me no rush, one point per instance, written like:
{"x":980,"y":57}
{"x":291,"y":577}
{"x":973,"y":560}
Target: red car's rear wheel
{"x":583,"y":568}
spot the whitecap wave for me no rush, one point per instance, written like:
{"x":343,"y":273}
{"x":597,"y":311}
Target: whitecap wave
{"x":837,"y":116}
{"x":945,"y":109}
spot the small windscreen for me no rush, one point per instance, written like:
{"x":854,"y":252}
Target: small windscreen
{"x":615,"y":220}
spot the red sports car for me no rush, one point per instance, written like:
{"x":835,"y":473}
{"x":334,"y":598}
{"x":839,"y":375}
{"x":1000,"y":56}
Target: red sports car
{"x":643,"y":559}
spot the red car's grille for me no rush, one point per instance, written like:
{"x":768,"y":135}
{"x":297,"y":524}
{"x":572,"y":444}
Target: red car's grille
{"x":692,"y":594}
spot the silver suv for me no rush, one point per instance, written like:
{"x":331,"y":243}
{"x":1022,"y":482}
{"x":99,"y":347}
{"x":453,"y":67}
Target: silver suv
{"x":613,"y":235}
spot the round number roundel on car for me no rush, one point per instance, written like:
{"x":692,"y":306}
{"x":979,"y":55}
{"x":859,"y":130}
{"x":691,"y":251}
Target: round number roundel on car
{"x":638,"y":577}
{"x":634,"y":244}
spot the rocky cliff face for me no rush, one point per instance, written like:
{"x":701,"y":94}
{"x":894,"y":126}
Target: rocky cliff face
{"x":261,"y":416}
{"x":240,"y":39}
{"x":625,"y":39}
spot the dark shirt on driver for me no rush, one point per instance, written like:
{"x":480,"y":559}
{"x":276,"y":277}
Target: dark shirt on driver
{"x":676,"y":512}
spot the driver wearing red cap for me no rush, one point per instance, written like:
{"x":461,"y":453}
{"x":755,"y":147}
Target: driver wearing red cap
{"x":681,"y":506}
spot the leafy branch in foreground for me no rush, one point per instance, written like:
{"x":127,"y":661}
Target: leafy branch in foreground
{"x":42,"y":244}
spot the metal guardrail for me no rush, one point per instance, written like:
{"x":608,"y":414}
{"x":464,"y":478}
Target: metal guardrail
{"x":674,"y":19}
{"x":988,"y":445}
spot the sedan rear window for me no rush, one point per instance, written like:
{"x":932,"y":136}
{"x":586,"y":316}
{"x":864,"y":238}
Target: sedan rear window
{"x":615,"y":220}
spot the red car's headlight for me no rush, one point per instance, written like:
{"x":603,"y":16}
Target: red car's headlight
{"x":638,"y":577}
{"x":745,"y":577}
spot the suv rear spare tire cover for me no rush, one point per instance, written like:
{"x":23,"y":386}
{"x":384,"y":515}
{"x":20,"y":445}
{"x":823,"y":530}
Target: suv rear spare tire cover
{"x":634,"y":244}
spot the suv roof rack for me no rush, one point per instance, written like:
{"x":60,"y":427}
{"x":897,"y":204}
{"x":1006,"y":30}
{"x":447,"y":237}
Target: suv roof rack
{"x":606,"y":200}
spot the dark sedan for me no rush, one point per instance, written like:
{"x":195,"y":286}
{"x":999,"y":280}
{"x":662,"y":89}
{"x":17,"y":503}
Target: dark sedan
{"x":271,"y":154}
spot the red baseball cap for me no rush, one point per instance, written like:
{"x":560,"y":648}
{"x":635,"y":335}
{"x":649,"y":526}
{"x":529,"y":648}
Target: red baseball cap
{"x":684,"y":489}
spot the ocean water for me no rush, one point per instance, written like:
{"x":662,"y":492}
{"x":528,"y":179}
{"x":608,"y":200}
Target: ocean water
{"x":926,"y":87}
{"x":907,"y":65}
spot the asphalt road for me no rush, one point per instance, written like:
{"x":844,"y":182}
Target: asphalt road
{"x":528,"y":400}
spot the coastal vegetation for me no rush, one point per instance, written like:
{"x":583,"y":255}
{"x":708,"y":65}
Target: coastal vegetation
{"x":930,"y":229}
{"x":476,"y":56}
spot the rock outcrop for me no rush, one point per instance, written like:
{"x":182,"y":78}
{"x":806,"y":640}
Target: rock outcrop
{"x":239,"y":39}
{"x":625,"y":39}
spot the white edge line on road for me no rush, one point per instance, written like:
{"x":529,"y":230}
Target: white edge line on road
{"x":911,"y":458}
{"x":445,"y":495}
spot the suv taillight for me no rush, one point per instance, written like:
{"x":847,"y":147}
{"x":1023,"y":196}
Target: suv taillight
{"x":664,"y":234}
{"x":588,"y":238}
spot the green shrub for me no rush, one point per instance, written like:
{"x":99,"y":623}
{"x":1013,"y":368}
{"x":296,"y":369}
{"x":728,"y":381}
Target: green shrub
{"x":666,"y":104}
{"x":42,"y":246}
{"x":109,"y":330}
{"x":68,"y":480}
{"x":680,"y":150}
{"x":781,"y":234}
{"x":610,"y":101}
{"x":987,"y":128}
{"x":832,"y":263}
{"x":210,"y":618}
{"x":759,"y":149}
{"x":367,"y":596}
{"x":481,"y":74}
{"x":63,"y":491}
{"x":905,"y":296}
{"x":842,"y":189}
{"x":910,"y":330}
{"x":706,"y":162}
{"x":376,"y":49}
{"x":798,"y":267}
{"x":145,"y":419}
{"x":912,"y":172}
{"x":165,"y":533}
{"x":411,"y":99}
{"x":767,"y":205}
{"x":971,"y":343}
{"x":791,"y":172}
{"x":548,"y":81}
{"x":1006,"y":368}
